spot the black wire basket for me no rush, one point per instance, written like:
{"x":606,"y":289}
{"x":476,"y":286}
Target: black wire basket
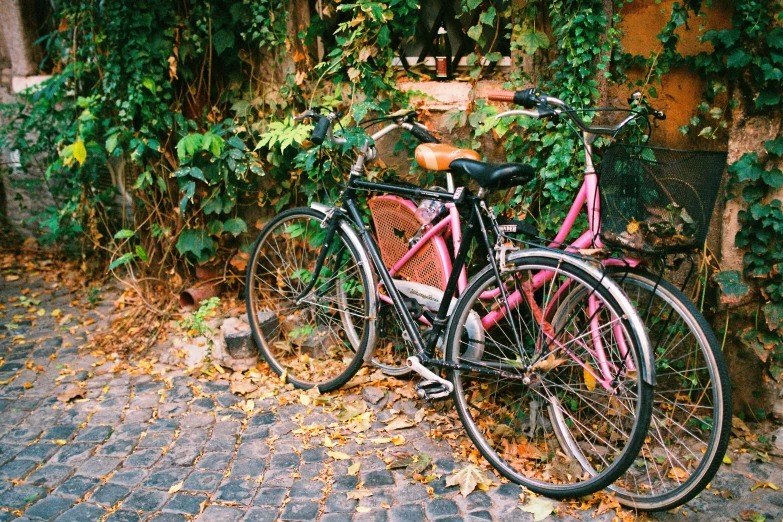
{"x":658,"y":200}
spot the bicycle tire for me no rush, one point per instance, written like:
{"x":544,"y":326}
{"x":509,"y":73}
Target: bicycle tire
{"x":537,"y":463}
{"x":706,"y":447}
{"x":322,"y":340}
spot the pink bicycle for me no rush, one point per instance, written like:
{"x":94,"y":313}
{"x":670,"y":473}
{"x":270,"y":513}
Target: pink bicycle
{"x":653,"y":200}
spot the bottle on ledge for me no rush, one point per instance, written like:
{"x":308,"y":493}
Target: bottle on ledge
{"x":443,"y":58}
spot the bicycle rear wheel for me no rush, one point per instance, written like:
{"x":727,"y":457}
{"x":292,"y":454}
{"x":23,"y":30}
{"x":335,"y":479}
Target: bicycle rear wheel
{"x":691,"y":420}
{"x":523,"y":379}
{"x":321,"y":338}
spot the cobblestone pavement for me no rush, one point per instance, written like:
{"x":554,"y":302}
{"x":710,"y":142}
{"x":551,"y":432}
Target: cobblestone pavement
{"x":171,"y":449}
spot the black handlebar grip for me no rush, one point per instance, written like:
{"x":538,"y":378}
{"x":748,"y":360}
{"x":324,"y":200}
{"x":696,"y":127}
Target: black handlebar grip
{"x":319,"y":133}
{"x":529,"y":98}
{"x":423,"y":136}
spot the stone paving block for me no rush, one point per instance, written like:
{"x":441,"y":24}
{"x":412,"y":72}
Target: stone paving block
{"x":284,"y":461}
{"x":117,"y":448}
{"x":94,"y":434}
{"x":300,"y":510}
{"x":345,"y":483}
{"x":380,"y":499}
{"x":203,"y":481}
{"x":477,"y":500}
{"x":215,"y":460}
{"x":73,"y":453}
{"x":145,"y":500}
{"x":239,"y":491}
{"x":7,"y":516}
{"x":376,"y":515}
{"x":124,"y":515}
{"x":49,"y":507}
{"x":60,"y":431}
{"x":310,"y":489}
{"x":248,"y":468}
{"x":193,"y":437}
{"x":279,"y":477}
{"x":339,"y":503}
{"x":252,"y":434}
{"x":270,"y":496}
{"x":257,"y":449}
{"x":81,"y":513}
{"x":180,"y":456}
{"x":22,"y":435}
{"x":156,"y":440}
{"x":168,"y":517}
{"x":143,"y":458}
{"x":202,"y":405}
{"x":109,"y":494}
{"x":379,"y":478}
{"x":336,"y":517}
{"x":50,"y":476}
{"x":166,"y":477}
{"x":408,"y":513}
{"x":185,"y":504}
{"x":38,"y":452}
{"x":220,"y":514}
{"x":410,"y":493}
{"x":129,"y":476}
{"x":143,"y":415}
{"x":77,"y":486}
{"x":313,"y":470}
{"x":261,"y":419}
{"x":314,"y":455}
{"x":261,"y":514}
{"x":129,"y":430}
{"x":479,"y":516}
{"x":441,"y":508}
{"x":98,"y":466}
{"x":197,"y":420}
{"x":17,"y":469}
{"x":221,"y":442}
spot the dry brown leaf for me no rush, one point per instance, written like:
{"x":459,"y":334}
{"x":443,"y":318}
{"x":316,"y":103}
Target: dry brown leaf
{"x":399,"y":423}
{"x":359,"y":494}
{"x":469,"y":478}
{"x":353,"y":469}
{"x":338,"y":455}
{"x":176,"y":487}
{"x":71,"y":394}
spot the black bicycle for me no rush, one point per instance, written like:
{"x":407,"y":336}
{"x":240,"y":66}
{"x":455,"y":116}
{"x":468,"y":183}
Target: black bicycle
{"x":535,"y":393}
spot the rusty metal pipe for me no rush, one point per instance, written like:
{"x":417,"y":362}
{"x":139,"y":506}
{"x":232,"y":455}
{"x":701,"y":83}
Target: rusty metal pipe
{"x":191,"y":298}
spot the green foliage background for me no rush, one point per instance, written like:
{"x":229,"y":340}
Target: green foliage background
{"x":197,"y":97}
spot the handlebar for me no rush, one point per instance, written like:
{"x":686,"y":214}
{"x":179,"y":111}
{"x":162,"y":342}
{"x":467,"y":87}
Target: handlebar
{"x":323,"y":127}
{"x":548,"y":106}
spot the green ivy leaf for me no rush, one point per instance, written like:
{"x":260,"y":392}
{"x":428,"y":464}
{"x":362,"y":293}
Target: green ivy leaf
{"x":731,"y":286}
{"x":197,"y":242}
{"x":474,"y":33}
{"x":149,"y":83}
{"x":142,"y":253}
{"x":123,"y":259}
{"x":124,"y":234}
{"x":775,"y":38}
{"x":213,"y":143}
{"x":215,"y":227}
{"x":235,"y":226}
{"x":188,"y":145}
{"x":775,"y":146}
{"x":767,"y":98}
{"x":79,"y":152}
{"x":738,"y":58}
{"x":222,"y":40}
{"x":533,"y":40}
{"x":773,"y":178}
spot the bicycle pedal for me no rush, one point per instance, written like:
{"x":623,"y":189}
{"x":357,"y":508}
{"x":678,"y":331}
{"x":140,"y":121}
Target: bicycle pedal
{"x":431,"y":390}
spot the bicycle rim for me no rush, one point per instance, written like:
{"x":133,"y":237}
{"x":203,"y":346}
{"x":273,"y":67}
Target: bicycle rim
{"x":321,"y":339}
{"x":512,"y":423}
{"x":691,"y":420}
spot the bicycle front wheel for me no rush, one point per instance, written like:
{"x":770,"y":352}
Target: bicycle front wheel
{"x":691,"y":420}
{"x":317,"y":339}
{"x":520,"y":380}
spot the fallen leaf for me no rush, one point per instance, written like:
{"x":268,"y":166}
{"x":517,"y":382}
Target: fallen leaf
{"x":242,"y":387}
{"x":338,"y":455}
{"x":60,"y":442}
{"x":176,"y":487}
{"x":399,"y":440}
{"x":71,"y":394}
{"x":381,"y":440}
{"x":399,"y":423}
{"x":353,"y":469}
{"x":359,"y":494}
{"x":764,"y":485}
{"x":362,"y":509}
{"x":468,"y":478}
{"x":539,"y":507}
{"x":12,"y":278}
{"x":550,"y":363}
{"x":726,"y":460}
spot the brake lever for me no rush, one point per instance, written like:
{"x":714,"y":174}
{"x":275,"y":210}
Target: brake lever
{"x":308,"y":114}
